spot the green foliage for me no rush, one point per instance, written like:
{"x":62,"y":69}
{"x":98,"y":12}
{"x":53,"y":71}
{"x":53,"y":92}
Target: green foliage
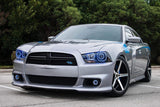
{"x":42,"y":17}
{"x":143,"y":16}
{"x":4,"y":30}
{"x":23,"y":21}
{"x":35,"y":20}
{"x":6,"y":67}
{"x":153,"y":2}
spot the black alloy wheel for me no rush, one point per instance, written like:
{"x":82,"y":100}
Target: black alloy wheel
{"x":121,"y":78}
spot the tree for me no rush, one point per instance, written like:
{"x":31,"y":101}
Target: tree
{"x":153,"y":2}
{"x":4,"y":30}
{"x":35,"y":20}
{"x":138,"y":14}
{"x":42,"y":18}
{"x":24,"y":21}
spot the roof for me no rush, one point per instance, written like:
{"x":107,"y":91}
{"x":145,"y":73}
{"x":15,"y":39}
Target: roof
{"x":100,"y":24}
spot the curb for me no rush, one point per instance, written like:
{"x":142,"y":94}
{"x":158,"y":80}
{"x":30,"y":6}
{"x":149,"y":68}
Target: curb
{"x":156,"y":66}
{"x":5,"y":70}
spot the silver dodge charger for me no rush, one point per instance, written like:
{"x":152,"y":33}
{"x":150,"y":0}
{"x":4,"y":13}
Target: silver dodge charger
{"x":87,"y":57}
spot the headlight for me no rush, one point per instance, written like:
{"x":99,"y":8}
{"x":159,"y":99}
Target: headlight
{"x":20,"y":55}
{"x":96,"y":57}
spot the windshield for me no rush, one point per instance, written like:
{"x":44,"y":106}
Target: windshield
{"x":91,"y":32}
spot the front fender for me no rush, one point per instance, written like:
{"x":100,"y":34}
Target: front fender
{"x":117,"y":50}
{"x":28,"y":46}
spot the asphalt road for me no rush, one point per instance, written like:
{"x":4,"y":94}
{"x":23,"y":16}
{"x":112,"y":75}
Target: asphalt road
{"x":139,"y":94}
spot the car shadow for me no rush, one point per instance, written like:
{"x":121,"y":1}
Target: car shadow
{"x":134,"y":84}
{"x":66,"y":94}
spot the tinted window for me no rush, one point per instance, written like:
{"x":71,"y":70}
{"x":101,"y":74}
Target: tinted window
{"x":128,"y":33}
{"x":134,"y":33}
{"x":91,"y":32}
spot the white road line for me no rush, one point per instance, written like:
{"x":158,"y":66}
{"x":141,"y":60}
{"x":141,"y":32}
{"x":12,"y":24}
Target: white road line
{"x":11,"y":88}
{"x":150,"y":86}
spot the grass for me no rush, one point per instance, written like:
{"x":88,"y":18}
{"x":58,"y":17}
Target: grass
{"x":6,"y":66}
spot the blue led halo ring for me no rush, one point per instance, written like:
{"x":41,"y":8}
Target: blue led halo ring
{"x":95,"y":57}
{"x":101,"y":56}
{"x":24,"y":54}
{"x":18,"y":54}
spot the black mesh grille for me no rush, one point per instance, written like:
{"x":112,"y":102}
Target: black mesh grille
{"x":49,"y":80}
{"x":51,"y":58}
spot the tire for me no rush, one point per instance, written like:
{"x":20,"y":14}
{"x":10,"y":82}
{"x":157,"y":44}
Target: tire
{"x":121,"y":78}
{"x":148,"y":73}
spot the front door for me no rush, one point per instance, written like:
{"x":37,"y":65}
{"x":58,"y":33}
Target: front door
{"x":139,"y":59}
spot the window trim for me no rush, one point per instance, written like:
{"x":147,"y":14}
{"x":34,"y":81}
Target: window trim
{"x":132,"y":31}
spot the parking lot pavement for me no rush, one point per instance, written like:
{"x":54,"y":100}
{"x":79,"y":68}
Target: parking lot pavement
{"x":139,"y":94}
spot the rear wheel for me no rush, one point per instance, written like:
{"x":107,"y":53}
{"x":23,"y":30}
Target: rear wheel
{"x":121,"y":78}
{"x":148,"y":73}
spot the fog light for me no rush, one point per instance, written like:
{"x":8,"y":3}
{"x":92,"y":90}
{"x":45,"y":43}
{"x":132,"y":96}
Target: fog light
{"x":91,"y":82}
{"x":95,"y":82}
{"x":17,"y":77}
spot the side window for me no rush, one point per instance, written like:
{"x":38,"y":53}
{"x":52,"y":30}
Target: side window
{"x":128,"y":33}
{"x":134,"y":33}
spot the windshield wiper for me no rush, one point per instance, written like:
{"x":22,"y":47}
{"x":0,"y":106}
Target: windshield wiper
{"x":57,"y":41}
{"x":86,"y":39}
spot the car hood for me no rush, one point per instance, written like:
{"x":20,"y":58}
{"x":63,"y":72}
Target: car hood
{"x":67,"y":46}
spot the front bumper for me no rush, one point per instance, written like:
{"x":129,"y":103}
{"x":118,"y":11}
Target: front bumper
{"x":83,"y":71}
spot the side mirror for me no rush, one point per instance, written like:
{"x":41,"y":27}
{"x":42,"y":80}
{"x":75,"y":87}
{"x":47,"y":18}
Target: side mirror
{"x":134,"y":39}
{"x":51,"y":38}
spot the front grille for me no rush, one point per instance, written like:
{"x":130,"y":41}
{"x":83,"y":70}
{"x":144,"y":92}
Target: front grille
{"x":51,"y":58}
{"x":49,"y":80}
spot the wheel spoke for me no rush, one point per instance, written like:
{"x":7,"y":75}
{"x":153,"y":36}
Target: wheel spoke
{"x":119,"y":67}
{"x":124,"y":75}
{"x":114,"y":74}
{"x":120,"y":84}
{"x":114,"y":82}
{"x":120,"y":76}
{"x":148,"y":73}
{"x":149,"y":68}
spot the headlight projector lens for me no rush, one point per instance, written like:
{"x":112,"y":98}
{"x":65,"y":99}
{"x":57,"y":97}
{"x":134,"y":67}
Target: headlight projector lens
{"x":101,"y":57}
